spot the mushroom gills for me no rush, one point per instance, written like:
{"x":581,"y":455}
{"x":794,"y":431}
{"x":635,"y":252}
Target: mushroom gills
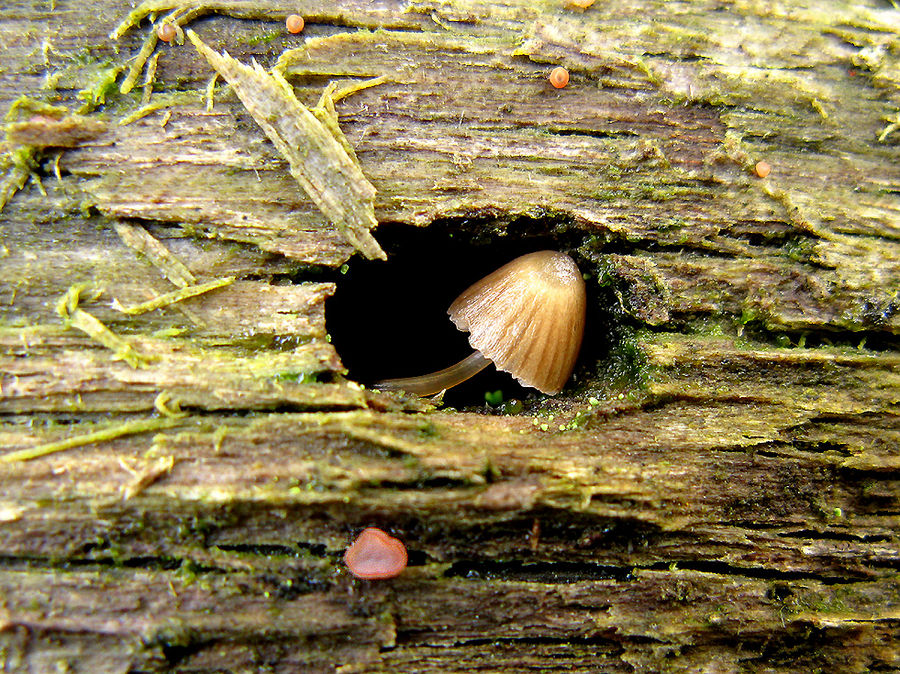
{"x":435,"y":382}
{"x":527,"y":318}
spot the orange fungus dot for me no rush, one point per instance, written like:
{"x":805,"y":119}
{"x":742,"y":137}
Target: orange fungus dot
{"x":763,"y":169}
{"x":559,"y":77}
{"x":295,"y":23}
{"x":583,"y":4}
{"x":166,"y":32}
{"x":375,"y":554}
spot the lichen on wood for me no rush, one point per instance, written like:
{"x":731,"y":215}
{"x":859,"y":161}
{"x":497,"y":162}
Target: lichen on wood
{"x":716,"y":491}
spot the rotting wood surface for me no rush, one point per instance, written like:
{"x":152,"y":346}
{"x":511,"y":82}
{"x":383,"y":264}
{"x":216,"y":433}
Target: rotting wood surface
{"x":720,"y":494}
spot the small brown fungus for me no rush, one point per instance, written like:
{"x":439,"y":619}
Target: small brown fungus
{"x":527,"y":318}
{"x":763,"y":169}
{"x":295,"y":24}
{"x":559,"y":77}
{"x":166,"y":32}
{"x":375,"y":555}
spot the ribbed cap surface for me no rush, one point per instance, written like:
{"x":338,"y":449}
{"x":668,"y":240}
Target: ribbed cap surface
{"x":528,"y":318}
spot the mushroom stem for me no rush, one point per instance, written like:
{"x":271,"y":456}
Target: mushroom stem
{"x":429,"y":384}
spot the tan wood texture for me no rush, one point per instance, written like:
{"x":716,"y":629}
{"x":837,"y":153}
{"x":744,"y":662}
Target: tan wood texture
{"x":719,"y":493}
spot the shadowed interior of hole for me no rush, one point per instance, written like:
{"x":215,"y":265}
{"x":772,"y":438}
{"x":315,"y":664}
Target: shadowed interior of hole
{"x":389,"y":319}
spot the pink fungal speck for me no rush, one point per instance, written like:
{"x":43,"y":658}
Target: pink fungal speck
{"x":375,"y":555}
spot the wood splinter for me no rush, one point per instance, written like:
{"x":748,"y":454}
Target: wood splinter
{"x":316,"y":151}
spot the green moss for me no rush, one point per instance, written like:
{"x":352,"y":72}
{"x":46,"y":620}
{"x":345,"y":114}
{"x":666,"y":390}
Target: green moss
{"x":511,"y":407}
{"x":748,"y":314}
{"x":626,"y":365}
{"x":493,"y":398}
{"x":581,"y":419}
{"x":782,"y":340}
{"x":101,"y":85}
{"x":605,"y":270}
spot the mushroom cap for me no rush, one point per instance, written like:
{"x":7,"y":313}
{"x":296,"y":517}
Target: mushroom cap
{"x":528,"y":318}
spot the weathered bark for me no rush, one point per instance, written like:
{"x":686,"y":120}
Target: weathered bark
{"x":719,"y":493}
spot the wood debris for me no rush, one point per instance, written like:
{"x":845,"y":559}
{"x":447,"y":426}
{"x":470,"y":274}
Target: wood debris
{"x":316,"y":152}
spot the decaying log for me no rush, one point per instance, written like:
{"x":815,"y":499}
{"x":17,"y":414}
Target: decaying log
{"x":717,"y":491}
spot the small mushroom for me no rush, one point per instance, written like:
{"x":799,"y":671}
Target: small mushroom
{"x":375,"y":555}
{"x":527,"y":318}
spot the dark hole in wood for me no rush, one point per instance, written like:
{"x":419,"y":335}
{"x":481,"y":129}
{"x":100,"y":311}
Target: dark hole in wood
{"x":389,"y":319}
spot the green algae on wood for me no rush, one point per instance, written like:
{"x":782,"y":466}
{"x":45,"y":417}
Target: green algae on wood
{"x":103,"y":435}
{"x":67,"y":308}
{"x":148,"y":246}
{"x":737,"y":482}
{"x":55,"y":373}
{"x":245,"y":9}
{"x":318,"y":159}
{"x":175,"y":296}
{"x":32,"y":127}
{"x":176,"y":19}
